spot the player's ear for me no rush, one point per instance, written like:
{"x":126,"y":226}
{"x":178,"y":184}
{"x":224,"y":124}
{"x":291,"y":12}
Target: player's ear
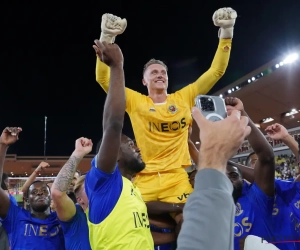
{"x":144,"y":82}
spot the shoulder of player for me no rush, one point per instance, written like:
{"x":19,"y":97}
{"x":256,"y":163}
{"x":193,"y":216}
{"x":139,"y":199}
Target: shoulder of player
{"x":134,"y":94}
{"x":284,"y":185}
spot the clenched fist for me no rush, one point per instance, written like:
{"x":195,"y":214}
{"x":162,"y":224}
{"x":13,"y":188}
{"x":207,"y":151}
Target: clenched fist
{"x":10,"y":135}
{"x":111,"y":26}
{"x":225,"y":19}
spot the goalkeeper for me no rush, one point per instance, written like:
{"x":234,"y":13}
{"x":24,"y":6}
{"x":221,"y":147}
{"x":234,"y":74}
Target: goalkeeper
{"x":160,"y":120}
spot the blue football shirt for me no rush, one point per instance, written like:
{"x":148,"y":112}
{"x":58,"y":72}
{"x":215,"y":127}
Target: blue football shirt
{"x":28,"y":233}
{"x":103,"y":191}
{"x":286,"y":214}
{"x":76,"y":231}
{"x":13,"y":199}
{"x":253,"y":214}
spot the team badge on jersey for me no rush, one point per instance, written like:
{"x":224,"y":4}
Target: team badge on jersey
{"x":297,"y":204}
{"x":172,"y":109}
{"x":152,"y":109}
{"x":238,"y":209}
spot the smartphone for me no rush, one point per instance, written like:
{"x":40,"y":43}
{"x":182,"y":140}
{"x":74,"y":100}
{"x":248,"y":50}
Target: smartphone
{"x":212,"y":107}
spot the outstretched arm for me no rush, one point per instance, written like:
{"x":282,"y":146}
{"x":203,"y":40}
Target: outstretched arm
{"x":264,"y":171}
{"x":217,"y":69}
{"x":279,"y":132}
{"x":114,"y":109}
{"x":5,"y":202}
{"x":207,"y":80}
{"x":225,"y":19}
{"x":32,"y":177}
{"x":111,"y":26}
{"x":64,"y":206}
{"x":102,"y":74}
{"x":9,"y":136}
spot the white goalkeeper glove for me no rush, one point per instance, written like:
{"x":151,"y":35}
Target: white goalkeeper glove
{"x":225,"y":19}
{"x":111,"y":26}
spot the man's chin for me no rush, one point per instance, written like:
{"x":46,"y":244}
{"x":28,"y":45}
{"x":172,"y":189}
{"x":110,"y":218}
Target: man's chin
{"x":41,"y":207}
{"x":139,"y":167}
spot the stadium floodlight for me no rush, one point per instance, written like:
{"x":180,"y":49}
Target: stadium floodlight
{"x":229,"y":91}
{"x":237,"y":87}
{"x":253,"y":78}
{"x":221,"y":96}
{"x":293,"y":112}
{"x":249,"y":80}
{"x":266,"y":120}
{"x":277,"y":66}
{"x":291,"y":58}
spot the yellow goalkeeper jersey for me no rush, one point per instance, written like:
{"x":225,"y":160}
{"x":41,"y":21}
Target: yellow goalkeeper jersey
{"x":161,"y":130}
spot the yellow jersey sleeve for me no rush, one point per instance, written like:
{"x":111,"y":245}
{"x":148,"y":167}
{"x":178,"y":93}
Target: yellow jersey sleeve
{"x":206,"y":81}
{"x":103,"y":77}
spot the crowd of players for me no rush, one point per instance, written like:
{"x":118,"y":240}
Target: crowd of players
{"x":137,"y":195}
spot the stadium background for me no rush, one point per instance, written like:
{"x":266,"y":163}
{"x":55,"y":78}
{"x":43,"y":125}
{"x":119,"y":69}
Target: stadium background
{"x":269,"y":94}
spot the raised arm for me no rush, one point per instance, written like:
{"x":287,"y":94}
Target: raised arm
{"x":32,"y":177}
{"x":114,"y":108}
{"x":207,"y":80}
{"x":64,"y":206}
{"x":9,"y":136}
{"x":264,"y":171}
{"x":217,"y":69}
{"x":102,"y":74}
{"x":111,"y":26}
{"x":225,"y":19}
{"x":279,"y":132}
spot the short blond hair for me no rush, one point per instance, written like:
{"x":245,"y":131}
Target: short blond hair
{"x":78,"y":184}
{"x":154,"y":61}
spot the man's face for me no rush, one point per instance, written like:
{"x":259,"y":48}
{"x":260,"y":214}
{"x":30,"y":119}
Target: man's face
{"x":39,"y":197}
{"x":156,"y":77}
{"x":82,"y":199}
{"x":131,"y":156}
{"x":236,"y":180}
{"x":253,"y":160}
